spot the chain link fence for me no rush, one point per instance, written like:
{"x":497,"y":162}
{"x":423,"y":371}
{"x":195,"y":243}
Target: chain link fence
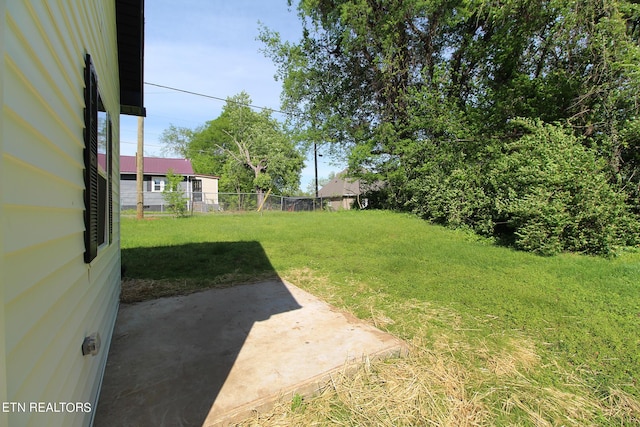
{"x":226,"y":202}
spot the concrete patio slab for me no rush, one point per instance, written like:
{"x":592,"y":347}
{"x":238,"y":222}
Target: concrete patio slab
{"x":213,"y":357}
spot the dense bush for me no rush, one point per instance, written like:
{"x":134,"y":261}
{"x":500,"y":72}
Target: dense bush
{"x":448,"y":189}
{"x":555,"y":194}
{"x":543,"y":191}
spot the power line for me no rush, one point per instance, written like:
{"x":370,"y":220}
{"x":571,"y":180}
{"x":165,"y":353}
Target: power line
{"x":146,"y":145}
{"x":213,"y":97}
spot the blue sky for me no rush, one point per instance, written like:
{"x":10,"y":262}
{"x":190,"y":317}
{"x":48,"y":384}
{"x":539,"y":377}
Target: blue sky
{"x":209,"y":47}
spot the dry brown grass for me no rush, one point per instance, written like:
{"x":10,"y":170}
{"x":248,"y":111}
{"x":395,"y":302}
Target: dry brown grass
{"x":623,"y":406}
{"x":137,"y":290}
{"x":433,"y":388}
{"x":449,"y":378}
{"x":407,"y":391}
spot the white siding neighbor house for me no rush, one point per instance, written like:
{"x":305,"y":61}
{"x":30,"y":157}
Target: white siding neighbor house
{"x":201,"y":191}
{"x":68,"y":69}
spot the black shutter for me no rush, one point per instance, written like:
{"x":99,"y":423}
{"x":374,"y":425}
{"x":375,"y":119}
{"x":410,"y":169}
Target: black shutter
{"x":110,"y":179}
{"x":91,"y":204}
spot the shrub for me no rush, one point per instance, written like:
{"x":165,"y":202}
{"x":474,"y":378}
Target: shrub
{"x":174,"y":195}
{"x":543,"y":191}
{"x":448,"y":188}
{"x":555,"y":194}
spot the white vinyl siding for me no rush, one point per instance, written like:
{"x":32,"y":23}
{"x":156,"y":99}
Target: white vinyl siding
{"x":4,"y":418}
{"x":210,"y":189}
{"x":49,"y":298}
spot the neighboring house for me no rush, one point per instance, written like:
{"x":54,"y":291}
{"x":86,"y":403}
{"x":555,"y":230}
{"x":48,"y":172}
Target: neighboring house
{"x":343,"y":192}
{"x":205,"y":193}
{"x":68,"y":69}
{"x":201,"y":190}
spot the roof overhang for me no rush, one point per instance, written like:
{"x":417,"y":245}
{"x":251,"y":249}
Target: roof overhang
{"x":130,"y":27}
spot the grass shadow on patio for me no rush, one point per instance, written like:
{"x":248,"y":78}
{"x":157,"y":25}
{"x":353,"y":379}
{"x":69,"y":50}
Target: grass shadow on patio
{"x":153,"y":272}
{"x":169,"y":358}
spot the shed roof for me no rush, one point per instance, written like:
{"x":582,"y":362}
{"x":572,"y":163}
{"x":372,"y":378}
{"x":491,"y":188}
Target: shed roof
{"x":156,"y":165}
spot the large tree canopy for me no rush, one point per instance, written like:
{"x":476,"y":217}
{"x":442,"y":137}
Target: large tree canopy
{"x":390,"y":83}
{"x":249,"y":150}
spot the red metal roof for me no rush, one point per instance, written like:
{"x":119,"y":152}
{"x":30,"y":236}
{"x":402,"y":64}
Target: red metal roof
{"x":156,"y":165}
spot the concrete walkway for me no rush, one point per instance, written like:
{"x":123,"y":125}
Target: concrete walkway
{"x":213,"y":357}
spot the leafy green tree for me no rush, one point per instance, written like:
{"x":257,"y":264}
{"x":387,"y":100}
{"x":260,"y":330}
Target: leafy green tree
{"x":257,"y":142}
{"x":424,"y":94}
{"x":174,"y":195}
{"x":352,"y":78}
{"x":176,"y":140}
{"x":249,"y":150}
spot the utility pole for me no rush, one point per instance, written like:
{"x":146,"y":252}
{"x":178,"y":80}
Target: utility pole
{"x":140,"y":169}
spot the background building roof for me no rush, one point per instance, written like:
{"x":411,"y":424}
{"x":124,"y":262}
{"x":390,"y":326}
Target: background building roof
{"x":156,"y":165}
{"x":340,"y":186}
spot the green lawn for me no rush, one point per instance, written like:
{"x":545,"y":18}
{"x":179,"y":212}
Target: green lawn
{"x":519,"y":339}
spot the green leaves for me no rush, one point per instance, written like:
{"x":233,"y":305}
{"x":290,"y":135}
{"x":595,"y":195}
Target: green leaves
{"x":176,"y":140}
{"x":260,"y":144}
{"x":173,"y":194}
{"x":543,"y":192}
{"x":248,"y":149}
{"x":554,"y":194}
{"x":424,"y":94}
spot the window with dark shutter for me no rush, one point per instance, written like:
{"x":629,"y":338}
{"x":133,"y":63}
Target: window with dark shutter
{"x":110,"y":181}
{"x":98,"y":175}
{"x":91,"y":196}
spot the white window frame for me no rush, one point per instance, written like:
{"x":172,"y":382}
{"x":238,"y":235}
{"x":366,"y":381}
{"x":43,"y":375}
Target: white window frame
{"x":162,"y":183}
{"x":104,"y":147}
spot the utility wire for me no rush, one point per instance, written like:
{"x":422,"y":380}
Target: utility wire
{"x":212,"y":151}
{"x":146,"y":145}
{"x":210,"y":97}
{"x":213,"y":97}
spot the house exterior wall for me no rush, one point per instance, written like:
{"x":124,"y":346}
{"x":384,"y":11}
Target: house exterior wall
{"x":339,"y":202}
{"x":340,"y":192}
{"x":128,"y":193}
{"x":4,"y":417}
{"x":209,"y":189}
{"x":50,"y":298}
{"x":153,"y":201}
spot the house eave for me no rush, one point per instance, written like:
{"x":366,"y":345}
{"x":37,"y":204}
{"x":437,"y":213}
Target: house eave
{"x":130,"y":29}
